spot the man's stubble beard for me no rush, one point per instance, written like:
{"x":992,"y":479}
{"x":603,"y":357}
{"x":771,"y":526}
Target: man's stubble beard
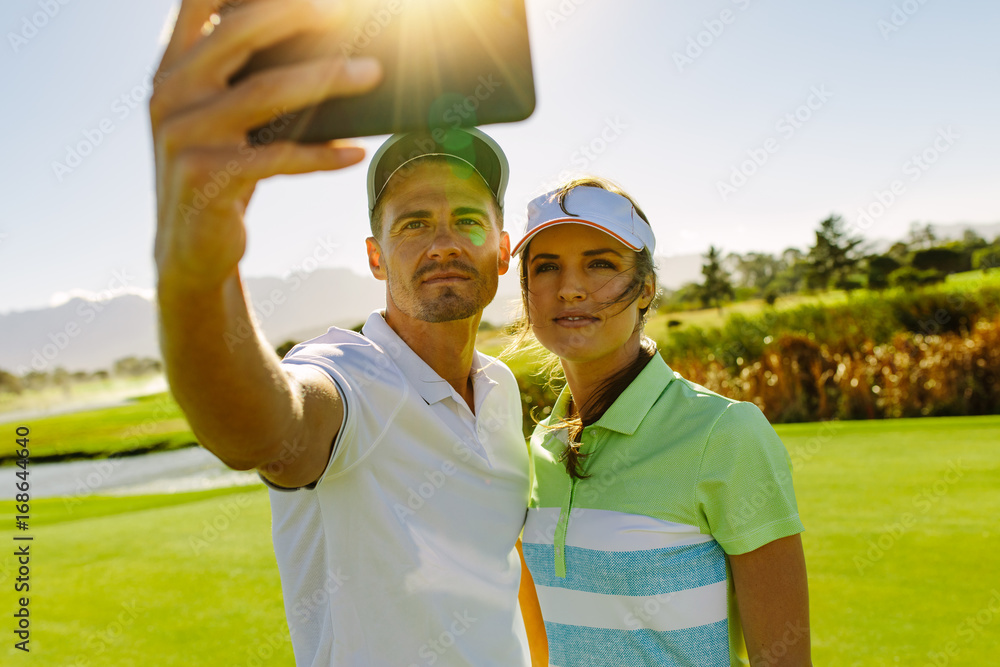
{"x":450,"y":305}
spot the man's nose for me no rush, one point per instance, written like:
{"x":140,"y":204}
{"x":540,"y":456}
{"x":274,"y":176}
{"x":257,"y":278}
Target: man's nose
{"x":445,"y":244}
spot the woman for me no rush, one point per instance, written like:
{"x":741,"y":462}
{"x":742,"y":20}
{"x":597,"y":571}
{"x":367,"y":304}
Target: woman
{"x":663,"y":528}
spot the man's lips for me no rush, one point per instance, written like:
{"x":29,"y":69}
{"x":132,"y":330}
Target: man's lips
{"x":445,"y":278}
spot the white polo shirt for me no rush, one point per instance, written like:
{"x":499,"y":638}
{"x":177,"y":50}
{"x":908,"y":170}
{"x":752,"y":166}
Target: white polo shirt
{"x":403,"y":552}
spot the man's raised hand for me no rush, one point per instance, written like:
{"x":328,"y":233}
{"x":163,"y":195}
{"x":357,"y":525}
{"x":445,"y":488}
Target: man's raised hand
{"x":206,"y":170}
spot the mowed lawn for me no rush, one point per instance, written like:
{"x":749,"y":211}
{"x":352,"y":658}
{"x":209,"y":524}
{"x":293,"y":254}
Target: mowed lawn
{"x":902,"y":544}
{"x":145,"y":421}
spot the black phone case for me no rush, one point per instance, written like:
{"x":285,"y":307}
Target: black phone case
{"x":447,"y":63}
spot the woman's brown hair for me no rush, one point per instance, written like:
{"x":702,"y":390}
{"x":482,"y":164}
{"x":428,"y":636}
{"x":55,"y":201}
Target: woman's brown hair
{"x":612,"y":387}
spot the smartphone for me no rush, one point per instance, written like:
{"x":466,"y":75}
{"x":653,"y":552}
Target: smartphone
{"x":446,"y":63}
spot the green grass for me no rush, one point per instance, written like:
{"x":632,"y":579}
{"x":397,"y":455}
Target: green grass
{"x":912,"y":595}
{"x":118,"y":581}
{"x":143,"y":422}
{"x":900,"y":551}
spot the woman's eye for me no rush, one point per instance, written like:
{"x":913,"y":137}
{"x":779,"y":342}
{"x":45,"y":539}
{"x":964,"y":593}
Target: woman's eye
{"x":541,"y":268}
{"x":602,"y":264}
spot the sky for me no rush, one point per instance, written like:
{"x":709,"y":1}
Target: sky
{"x":738,"y":123}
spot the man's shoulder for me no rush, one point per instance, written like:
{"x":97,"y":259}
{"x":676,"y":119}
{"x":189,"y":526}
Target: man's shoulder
{"x":335,"y":341}
{"x":350,"y":353}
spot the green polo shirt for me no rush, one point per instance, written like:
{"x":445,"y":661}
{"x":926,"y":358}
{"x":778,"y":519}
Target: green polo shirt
{"x":630,"y":562}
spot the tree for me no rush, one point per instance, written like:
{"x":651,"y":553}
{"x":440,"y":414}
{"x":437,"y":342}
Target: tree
{"x":899,"y":251}
{"x":834,"y":256}
{"x":10,"y":383}
{"x":972,"y":240}
{"x":792,"y":275}
{"x":285,"y":348}
{"x":922,"y":237}
{"x":879,"y":268}
{"x":718,"y":284}
{"x":944,"y":260}
{"x":757,"y":270}
{"x":986,"y":258}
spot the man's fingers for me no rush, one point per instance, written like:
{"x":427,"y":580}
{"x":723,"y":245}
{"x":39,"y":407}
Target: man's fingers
{"x":214,"y":178}
{"x":287,"y":157}
{"x":253,"y":28}
{"x":263,"y":97}
{"x":188,"y":24}
{"x":204,"y":69}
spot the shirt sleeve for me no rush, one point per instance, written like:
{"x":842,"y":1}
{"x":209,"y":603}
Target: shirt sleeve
{"x":340,"y":448}
{"x":745,"y":490}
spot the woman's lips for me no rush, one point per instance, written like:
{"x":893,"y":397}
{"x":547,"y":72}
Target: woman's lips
{"x":574,"y":321}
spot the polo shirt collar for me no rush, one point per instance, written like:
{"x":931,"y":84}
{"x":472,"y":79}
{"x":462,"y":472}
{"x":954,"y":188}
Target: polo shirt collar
{"x":431,"y":386}
{"x":630,"y":408}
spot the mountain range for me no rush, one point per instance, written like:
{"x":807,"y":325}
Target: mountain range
{"x":83,"y":335}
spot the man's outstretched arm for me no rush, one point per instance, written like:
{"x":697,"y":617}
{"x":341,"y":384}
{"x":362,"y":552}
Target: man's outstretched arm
{"x":241,"y":403}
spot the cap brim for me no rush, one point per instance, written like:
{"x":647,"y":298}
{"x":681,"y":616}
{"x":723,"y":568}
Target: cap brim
{"x":632,"y":242}
{"x":469,"y":145}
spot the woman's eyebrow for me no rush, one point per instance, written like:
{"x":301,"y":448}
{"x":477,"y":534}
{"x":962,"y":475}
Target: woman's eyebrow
{"x":544,"y":255}
{"x":600,"y":251}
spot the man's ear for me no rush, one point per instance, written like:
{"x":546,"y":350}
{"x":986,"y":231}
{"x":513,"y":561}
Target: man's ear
{"x":504,"y":262}
{"x":375,"y":258}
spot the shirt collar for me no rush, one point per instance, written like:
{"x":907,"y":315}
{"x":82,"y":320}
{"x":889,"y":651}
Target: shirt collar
{"x":431,"y":386}
{"x":632,"y":405}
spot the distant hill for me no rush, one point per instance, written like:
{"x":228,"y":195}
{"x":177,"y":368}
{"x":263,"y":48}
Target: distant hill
{"x":82,"y":335}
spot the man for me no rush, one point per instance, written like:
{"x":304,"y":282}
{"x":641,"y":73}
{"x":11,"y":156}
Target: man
{"x":398,"y":475}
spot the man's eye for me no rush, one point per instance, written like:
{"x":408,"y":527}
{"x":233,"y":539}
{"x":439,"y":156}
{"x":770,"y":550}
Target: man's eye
{"x":414,"y":224}
{"x":469,"y":221}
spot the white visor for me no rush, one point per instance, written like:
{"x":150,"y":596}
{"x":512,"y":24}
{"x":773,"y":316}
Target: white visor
{"x":592,"y":206}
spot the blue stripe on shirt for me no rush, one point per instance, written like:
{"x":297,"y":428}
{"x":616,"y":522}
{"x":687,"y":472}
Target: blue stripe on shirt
{"x":700,"y":646}
{"x":646,"y":572}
